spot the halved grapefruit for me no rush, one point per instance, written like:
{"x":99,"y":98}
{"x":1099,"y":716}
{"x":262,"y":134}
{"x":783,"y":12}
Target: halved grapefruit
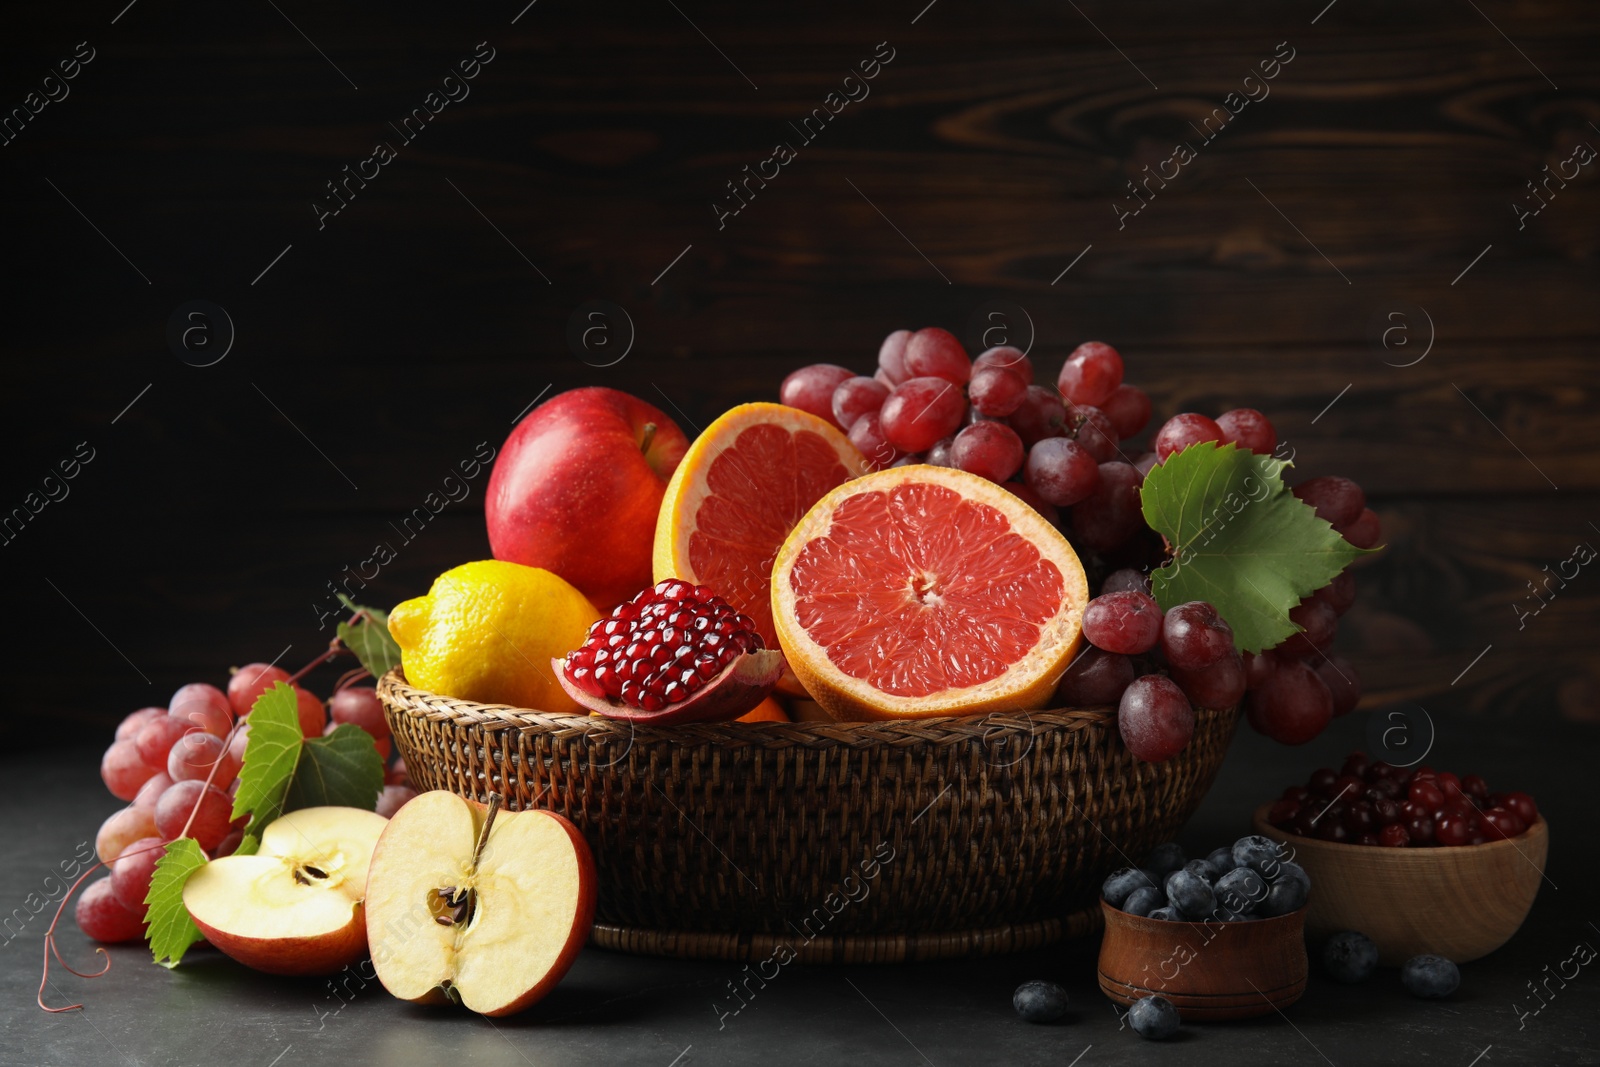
{"x":735,"y":496}
{"x":920,"y":591}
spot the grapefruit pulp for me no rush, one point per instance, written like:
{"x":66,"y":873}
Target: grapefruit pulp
{"x":735,"y":496}
{"x":919,"y":591}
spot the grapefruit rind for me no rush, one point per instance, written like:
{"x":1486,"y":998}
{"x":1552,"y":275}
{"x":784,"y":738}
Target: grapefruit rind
{"x":1027,"y":684}
{"x":688,"y":490}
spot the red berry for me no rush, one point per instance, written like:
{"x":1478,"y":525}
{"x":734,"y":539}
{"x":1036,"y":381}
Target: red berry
{"x":1061,"y":471}
{"x":1040,"y":415}
{"x":892,"y":358}
{"x":1127,"y":623}
{"x":1249,"y":429}
{"x":868,"y":437}
{"x":1113,"y":513}
{"x":1292,"y":707}
{"x":1091,"y":373}
{"x":1452,"y":830}
{"x":811,"y":389}
{"x":996,"y":391}
{"x":1220,"y":685}
{"x":1129,"y":409}
{"x":1184,"y":430}
{"x":1007,"y":356}
{"x":1365,"y":532}
{"x":1096,"y":433}
{"x":1095,"y":678}
{"x":1193,"y":636}
{"x":855,"y":397}
{"x":990,"y":450}
{"x":1502,"y":823}
{"x":1522,"y":805}
{"x":1155,"y":718}
{"x":935,"y":353}
{"x":920,"y":411}
{"x":101,"y":915}
{"x":1338,"y":501}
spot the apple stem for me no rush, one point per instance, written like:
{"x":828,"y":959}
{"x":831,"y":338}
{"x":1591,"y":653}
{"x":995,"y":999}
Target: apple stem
{"x":649,"y":436}
{"x":483,"y":834}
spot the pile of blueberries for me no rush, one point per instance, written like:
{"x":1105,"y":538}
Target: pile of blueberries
{"x":1253,"y":878}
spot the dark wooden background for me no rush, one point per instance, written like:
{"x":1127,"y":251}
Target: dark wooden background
{"x":379,"y":351}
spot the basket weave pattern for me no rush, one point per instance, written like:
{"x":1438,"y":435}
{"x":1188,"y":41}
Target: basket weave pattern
{"x":716,"y":839}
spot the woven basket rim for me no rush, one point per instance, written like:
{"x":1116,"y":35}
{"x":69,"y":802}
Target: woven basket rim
{"x":423,"y":704}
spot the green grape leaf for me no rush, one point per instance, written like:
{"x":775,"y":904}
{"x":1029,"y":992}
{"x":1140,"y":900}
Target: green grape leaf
{"x":369,"y":639}
{"x":342,"y":768}
{"x":270,"y":757}
{"x":1239,"y":539}
{"x":170,"y":929}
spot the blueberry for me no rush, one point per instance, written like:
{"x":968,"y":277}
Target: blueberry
{"x":1221,"y":860}
{"x":1430,"y":976}
{"x":1260,"y":854}
{"x":1164,"y":859}
{"x":1144,"y":900}
{"x":1117,"y":887}
{"x":1350,"y":957}
{"x":1203,"y":870}
{"x":1241,"y":890}
{"x":1039,"y":1001}
{"x":1287,"y":869}
{"x":1286,"y":895}
{"x":1190,"y":894}
{"x":1167,"y":914}
{"x":1153,"y":1018}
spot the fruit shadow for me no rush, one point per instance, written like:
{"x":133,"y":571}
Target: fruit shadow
{"x":569,"y":1004}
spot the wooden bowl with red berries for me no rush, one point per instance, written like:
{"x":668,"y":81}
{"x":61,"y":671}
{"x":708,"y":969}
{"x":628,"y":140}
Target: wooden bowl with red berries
{"x":1420,"y":861}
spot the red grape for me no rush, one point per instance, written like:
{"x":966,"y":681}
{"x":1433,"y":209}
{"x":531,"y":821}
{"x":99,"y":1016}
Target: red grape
{"x":996,"y":391}
{"x":203,"y":706}
{"x":313,"y":717}
{"x":1340,"y":593}
{"x":1193,"y":636}
{"x":1394,"y":836}
{"x":1155,"y":718}
{"x":1249,"y":429}
{"x":1146,"y":462}
{"x":811,"y":389}
{"x":935,"y":353}
{"x":1292,"y":707}
{"x":1129,"y":408}
{"x":1061,"y":471}
{"x":920,"y":411}
{"x":1041,"y":415}
{"x":1343,"y":683}
{"x":120,"y":828}
{"x":393,"y":798}
{"x":212,"y":821}
{"x":1338,"y":501}
{"x":135,"y":866}
{"x":1096,"y":433}
{"x":1453,"y":830}
{"x":1128,"y":623}
{"x":867,"y":435}
{"x":1520,"y":803}
{"x":1128,"y":578}
{"x":1113,"y":512}
{"x":939,"y":454}
{"x":130,"y":726}
{"x":855,"y":397}
{"x":158,"y":737}
{"x":1501,"y":823}
{"x":1091,"y":373}
{"x":1258,"y":667}
{"x":123,"y":771}
{"x":1035,"y":501}
{"x":892,"y":358}
{"x":359,"y":704}
{"x":1365,"y":532}
{"x":240,"y":742}
{"x":1181,"y":431}
{"x":1007,"y":356}
{"x":151,"y":791}
{"x":192,"y":757}
{"x":990,"y":450}
{"x":1220,"y":685}
{"x":1094,"y":679}
{"x":249,"y":682}
{"x":1317,"y":622}
{"x":101,"y":916}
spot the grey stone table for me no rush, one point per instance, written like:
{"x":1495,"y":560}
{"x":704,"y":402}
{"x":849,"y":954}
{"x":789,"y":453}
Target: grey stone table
{"x":616,"y":1009}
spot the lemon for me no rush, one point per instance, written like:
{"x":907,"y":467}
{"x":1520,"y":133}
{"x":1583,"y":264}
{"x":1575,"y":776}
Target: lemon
{"x":487,"y":631}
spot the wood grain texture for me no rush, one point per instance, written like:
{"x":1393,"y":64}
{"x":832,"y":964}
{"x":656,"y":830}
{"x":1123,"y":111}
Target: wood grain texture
{"x":379,"y":350}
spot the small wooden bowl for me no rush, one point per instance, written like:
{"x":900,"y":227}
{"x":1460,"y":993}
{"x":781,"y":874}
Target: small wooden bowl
{"x":1461,"y":902}
{"x":1209,"y":970}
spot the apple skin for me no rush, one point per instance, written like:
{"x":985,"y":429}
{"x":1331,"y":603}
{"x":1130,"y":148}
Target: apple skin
{"x":327,"y":953}
{"x":575,"y":492}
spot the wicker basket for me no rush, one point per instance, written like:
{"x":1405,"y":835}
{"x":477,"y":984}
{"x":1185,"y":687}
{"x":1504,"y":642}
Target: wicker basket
{"x":845,"y":842}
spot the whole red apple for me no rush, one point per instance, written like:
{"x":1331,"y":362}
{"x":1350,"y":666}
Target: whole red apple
{"x":577,"y":487}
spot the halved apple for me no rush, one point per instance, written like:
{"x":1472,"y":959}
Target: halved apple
{"x":295,"y":906}
{"x":469,"y":903}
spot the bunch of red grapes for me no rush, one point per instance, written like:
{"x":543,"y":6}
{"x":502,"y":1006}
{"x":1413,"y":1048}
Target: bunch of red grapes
{"x":1071,"y":452}
{"x":178,"y":766}
{"x":1367,"y":802}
